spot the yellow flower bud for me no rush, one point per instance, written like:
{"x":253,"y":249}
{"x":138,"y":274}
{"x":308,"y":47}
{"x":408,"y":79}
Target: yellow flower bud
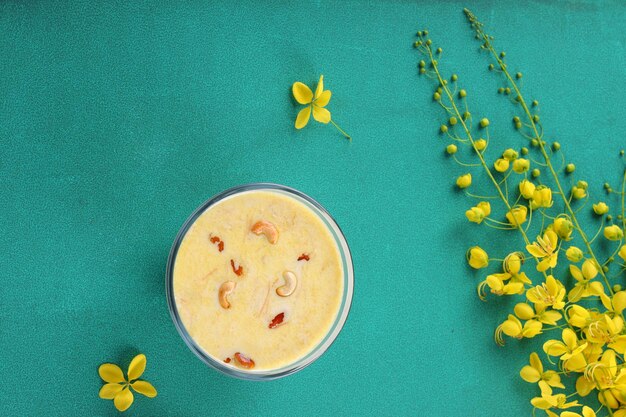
{"x":480,"y":144}
{"x":613,"y":232}
{"x":622,"y":252}
{"x":542,"y":197}
{"x":475,"y":215}
{"x":524,"y":311}
{"x":526,"y":189}
{"x":477,"y":257}
{"x":574,"y":254}
{"x":485,"y":207}
{"x":501,"y":165}
{"x":510,"y":154}
{"x":578,"y":192}
{"x":563,"y":227}
{"x":464,"y":181}
{"x":600,"y":208}
{"x":513,"y":263}
{"x":521,"y":165}
{"x":451,"y":149}
{"x":517,"y":215}
{"x":582,"y":184}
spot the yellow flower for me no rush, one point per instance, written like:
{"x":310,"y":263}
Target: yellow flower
{"x":610,"y":379}
{"x":546,"y":249}
{"x":534,"y":373}
{"x":542,"y":197}
{"x":613,"y":232}
{"x":548,"y":400}
{"x":622,"y":252}
{"x":574,"y":254}
{"x":584,"y":287}
{"x":464,"y":181}
{"x":315,"y":103}
{"x":480,"y":144}
{"x":513,"y":262}
{"x":579,"y":316}
{"x":517,"y":215}
{"x":615,"y":304}
{"x":478,"y":213}
{"x":117,"y":387}
{"x":578,"y":192}
{"x":527,"y":189}
{"x":451,"y":149}
{"x":496,"y":283}
{"x":600,"y":208}
{"x":569,"y":350}
{"x":521,"y":165}
{"x":550,"y":293}
{"x":512,"y":327}
{"x":501,"y":165}
{"x":477,"y":257}
{"x":510,"y":154}
{"x":563,"y":228}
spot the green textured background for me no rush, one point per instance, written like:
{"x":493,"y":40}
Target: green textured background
{"x":117,"y":119}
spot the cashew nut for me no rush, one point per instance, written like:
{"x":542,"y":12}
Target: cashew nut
{"x":291,"y":282}
{"x":225,"y":289}
{"x":267,"y":229}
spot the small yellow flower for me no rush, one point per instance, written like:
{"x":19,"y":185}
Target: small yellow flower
{"x":517,"y":215}
{"x":542,"y":197}
{"x":526,"y":312}
{"x":451,"y":149}
{"x":600,"y":208}
{"x":480,"y":144}
{"x":613,"y":232}
{"x":315,"y":103}
{"x":586,"y":412}
{"x":563,"y":228}
{"x":501,"y":165}
{"x":548,"y":400}
{"x":477,"y":214}
{"x":513,"y":263}
{"x":527,"y":189}
{"x":117,"y":387}
{"x":550,"y":293}
{"x":464,"y":181}
{"x":534,"y":373}
{"x":569,"y":350}
{"x":477,"y":257}
{"x":611,"y":380}
{"x":510,"y":154}
{"x":622,"y":252}
{"x":578,"y":193}
{"x":574,"y":254}
{"x":584,"y":287}
{"x":498,"y":285}
{"x":521,"y":165}
{"x":512,"y":327}
{"x":546,"y":249}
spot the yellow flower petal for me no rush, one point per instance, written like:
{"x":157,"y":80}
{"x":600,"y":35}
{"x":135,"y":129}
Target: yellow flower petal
{"x":588,"y":412}
{"x":110,"y":372}
{"x":302,"y":93}
{"x":145,"y":388}
{"x":321,"y":114}
{"x":109,"y":391}
{"x":136,"y":367}
{"x":303,"y":117}
{"x":124,"y":399}
{"x":554,"y":348}
{"x":530,"y":374}
{"x":619,"y":301}
{"x":320,"y":87}
{"x":535,"y":362}
{"x":584,"y":386}
{"x":323,"y":98}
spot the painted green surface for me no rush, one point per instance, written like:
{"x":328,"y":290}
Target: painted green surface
{"x":118,"y":119}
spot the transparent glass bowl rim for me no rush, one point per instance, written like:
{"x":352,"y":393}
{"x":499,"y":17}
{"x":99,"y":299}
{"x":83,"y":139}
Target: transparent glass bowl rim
{"x":342,"y":315}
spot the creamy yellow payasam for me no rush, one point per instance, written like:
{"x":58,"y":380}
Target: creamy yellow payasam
{"x":258,"y":280}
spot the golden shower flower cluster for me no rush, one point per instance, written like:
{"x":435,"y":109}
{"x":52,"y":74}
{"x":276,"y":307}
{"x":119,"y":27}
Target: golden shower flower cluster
{"x":566,"y":284}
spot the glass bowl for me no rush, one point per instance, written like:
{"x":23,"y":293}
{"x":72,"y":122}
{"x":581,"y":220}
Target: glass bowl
{"x":346,"y":300}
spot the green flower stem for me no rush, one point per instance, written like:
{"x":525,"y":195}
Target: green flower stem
{"x":473,"y":143}
{"x":488,"y":45}
{"x":341,"y":130}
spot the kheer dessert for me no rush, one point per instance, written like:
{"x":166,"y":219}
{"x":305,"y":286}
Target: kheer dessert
{"x":258,"y":280}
